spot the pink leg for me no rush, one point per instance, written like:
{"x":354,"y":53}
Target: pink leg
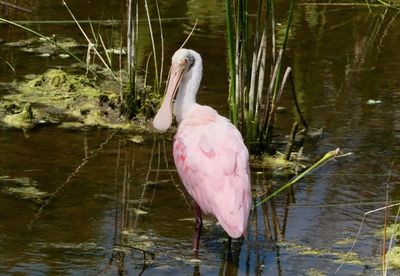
{"x":199,"y":225}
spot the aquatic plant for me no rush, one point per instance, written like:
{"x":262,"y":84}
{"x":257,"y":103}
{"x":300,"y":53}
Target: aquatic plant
{"x":136,"y":99}
{"x":389,"y":4}
{"x":330,"y":155}
{"x":390,"y":255}
{"x":254,"y":91}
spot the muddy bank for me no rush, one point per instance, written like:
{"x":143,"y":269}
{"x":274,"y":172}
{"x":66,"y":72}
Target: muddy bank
{"x":57,"y":97}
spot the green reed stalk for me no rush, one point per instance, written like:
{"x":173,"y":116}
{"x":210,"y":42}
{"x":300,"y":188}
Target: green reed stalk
{"x":324,"y":160}
{"x":162,"y":44}
{"x":275,"y":82}
{"x":231,"y":61}
{"x":131,"y":43}
{"x":252,"y":106}
{"x":242,"y":41}
{"x":135,"y":97}
{"x":129,"y":97}
{"x":153,"y":44}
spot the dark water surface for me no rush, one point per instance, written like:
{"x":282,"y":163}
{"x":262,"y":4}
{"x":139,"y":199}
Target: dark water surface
{"x":108,"y":192}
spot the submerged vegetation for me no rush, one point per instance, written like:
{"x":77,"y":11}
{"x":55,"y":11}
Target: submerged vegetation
{"x":22,"y":188}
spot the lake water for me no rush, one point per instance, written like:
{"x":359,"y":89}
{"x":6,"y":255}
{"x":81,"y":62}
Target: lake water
{"x":118,"y":207}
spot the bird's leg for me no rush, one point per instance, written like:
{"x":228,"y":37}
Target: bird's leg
{"x":199,"y":225}
{"x":229,"y":255}
{"x":229,"y":244}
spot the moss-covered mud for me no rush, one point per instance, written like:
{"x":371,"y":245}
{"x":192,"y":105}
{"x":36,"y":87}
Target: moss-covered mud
{"x":57,"y":97}
{"x":277,"y":165}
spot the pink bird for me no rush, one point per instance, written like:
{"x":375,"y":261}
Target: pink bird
{"x":209,"y":153}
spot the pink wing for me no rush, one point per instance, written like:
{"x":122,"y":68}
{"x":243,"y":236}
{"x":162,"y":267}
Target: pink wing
{"x":212,"y":162}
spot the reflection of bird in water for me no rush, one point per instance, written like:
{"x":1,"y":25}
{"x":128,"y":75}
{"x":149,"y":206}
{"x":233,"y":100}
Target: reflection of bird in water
{"x":208,"y":150}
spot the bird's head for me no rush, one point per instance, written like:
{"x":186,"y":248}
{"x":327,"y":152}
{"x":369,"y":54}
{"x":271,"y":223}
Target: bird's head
{"x":182,"y":58}
{"x":181,"y":63}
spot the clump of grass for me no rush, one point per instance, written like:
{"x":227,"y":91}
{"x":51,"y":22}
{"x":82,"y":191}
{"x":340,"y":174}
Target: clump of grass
{"x":255,"y":90}
{"x":135,"y":101}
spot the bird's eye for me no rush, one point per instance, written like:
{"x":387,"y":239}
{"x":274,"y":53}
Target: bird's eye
{"x":184,"y":61}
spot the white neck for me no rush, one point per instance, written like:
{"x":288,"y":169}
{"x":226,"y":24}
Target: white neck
{"x":190,"y":83}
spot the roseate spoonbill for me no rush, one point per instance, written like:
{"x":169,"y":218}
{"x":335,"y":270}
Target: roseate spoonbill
{"x":209,"y":153}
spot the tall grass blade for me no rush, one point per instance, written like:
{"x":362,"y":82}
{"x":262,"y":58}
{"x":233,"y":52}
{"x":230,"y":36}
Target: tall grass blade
{"x":276,"y":78}
{"x":130,"y":42}
{"x":91,"y":45}
{"x":261,"y":66}
{"x":153,"y":44}
{"x":324,"y":160}
{"x":162,"y":44}
{"x":8,"y":64}
{"x":231,"y":60}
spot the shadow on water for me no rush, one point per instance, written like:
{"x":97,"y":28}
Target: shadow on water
{"x":109,"y":203}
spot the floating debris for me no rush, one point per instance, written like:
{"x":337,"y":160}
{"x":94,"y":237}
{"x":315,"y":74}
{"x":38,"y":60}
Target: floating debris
{"x":114,"y":51}
{"x":43,"y":47}
{"x":195,"y":261}
{"x":314,"y":133}
{"x":64,"y":55}
{"x":81,"y":246}
{"x":23,"y":188}
{"x":137,"y":139}
{"x":345,"y":241}
{"x":338,"y":257}
{"x":139,"y":212}
{"x":71,"y":125}
{"x":44,"y":55}
{"x":145,"y":242}
{"x":373,"y":102}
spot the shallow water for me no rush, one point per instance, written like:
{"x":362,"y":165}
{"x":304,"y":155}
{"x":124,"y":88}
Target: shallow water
{"x":106,"y":191}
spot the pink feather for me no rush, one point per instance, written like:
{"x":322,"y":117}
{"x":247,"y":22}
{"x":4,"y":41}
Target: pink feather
{"x":212,"y":162}
{"x":209,"y":152}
